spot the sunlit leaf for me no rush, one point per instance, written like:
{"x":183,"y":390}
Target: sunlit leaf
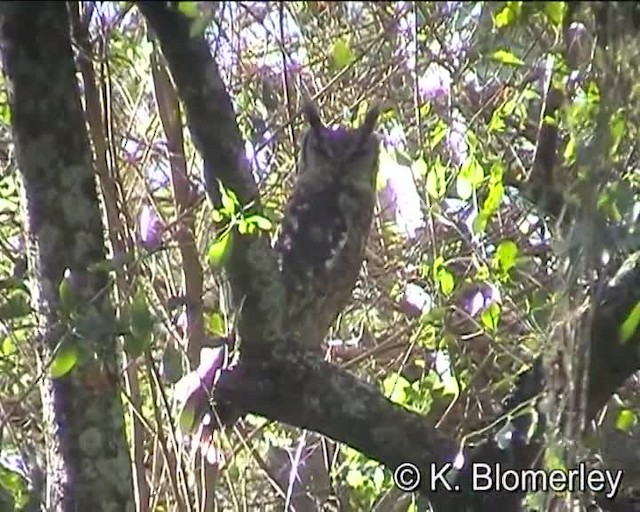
{"x":497,"y":123}
{"x":68,"y":297}
{"x":464,"y":188}
{"x":446,"y":281}
{"x":355,"y":478}
{"x":438,"y":132}
{"x":189,"y":9}
{"x":626,"y":420}
{"x":378,"y":477}
{"x":508,"y":15}
{"x":342,"y":53}
{"x":7,"y":347}
{"x":215,"y":324}
{"x":570,"y":151}
{"x":436,"y":182}
{"x":395,"y":388}
{"x":260,"y":222}
{"x":555,"y":12}
{"x":490,"y":317}
{"x":506,"y":255}
{"x":64,"y":361}
{"x":220,"y":249}
{"x":494,"y":199}
{"x":229,"y":200}
{"x":469,"y":178}
{"x":187,"y":418}
{"x":630,"y":324}
{"x":506,"y":57}
{"x":419,"y":168}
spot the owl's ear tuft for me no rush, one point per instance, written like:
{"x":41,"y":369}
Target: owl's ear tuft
{"x":312,"y":115}
{"x":370,"y":120}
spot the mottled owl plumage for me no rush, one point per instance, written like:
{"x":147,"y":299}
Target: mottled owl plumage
{"x":327,"y":222}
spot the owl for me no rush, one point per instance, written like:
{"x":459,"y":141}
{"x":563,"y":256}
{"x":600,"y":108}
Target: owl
{"x":327,"y":222}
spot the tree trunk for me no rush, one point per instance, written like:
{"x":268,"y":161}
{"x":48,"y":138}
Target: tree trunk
{"x":88,"y":466}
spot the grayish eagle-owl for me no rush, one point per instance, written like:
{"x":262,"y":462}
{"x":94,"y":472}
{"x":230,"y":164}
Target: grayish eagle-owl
{"x":327,"y":222}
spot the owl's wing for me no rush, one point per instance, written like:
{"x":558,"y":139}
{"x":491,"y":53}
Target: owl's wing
{"x":313,"y":233}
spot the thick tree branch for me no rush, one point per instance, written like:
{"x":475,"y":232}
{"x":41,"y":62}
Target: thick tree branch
{"x":612,"y":362}
{"x":253,"y":272}
{"x":300,"y":389}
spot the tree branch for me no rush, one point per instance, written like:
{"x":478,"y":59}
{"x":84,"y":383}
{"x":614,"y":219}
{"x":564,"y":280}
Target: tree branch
{"x":253,"y":272}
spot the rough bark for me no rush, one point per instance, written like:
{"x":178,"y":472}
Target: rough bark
{"x":88,"y":466}
{"x":253,"y":271}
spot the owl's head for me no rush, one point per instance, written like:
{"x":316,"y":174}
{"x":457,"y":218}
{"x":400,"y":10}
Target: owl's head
{"x":338,"y":152}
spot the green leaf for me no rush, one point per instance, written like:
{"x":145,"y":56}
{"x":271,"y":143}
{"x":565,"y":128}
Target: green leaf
{"x":506,"y":255}
{"x":555,"y":12}
{"x":189,"y":9}
{"x":493,"y":200}
{"x":446,"y":281}
{"x":14,"y":491}
{"x":260,"y":222}
{"x":217,"y":216}
{"x":490,"y":317}
{"x":396,"y":388}
{"x":355,"y":479}
{"x":630,"y":325}
{"x":229,"y":200}
{"x":68,"y":296}
{"x":626,"y":420}
{"x":419,"y":168}
{"x":112,"y":264}
{"x":508,"y":15}
{"x":342,"y":54}
{"x":172,"y":364}
{"x":187,"y":418}
{"x":506,"y":57}
{"x":474,"y":171}
{"x":617,"y":128}
{"x":220,"y":249}
{"x":436,"y":182}
{"x":215,"y":325}
{"x":141,"y":324}
{"x":64,"y":361}
{"x":464,"y":188}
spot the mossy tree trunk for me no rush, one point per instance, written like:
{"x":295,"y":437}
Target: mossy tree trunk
{"x":88,"y":466}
